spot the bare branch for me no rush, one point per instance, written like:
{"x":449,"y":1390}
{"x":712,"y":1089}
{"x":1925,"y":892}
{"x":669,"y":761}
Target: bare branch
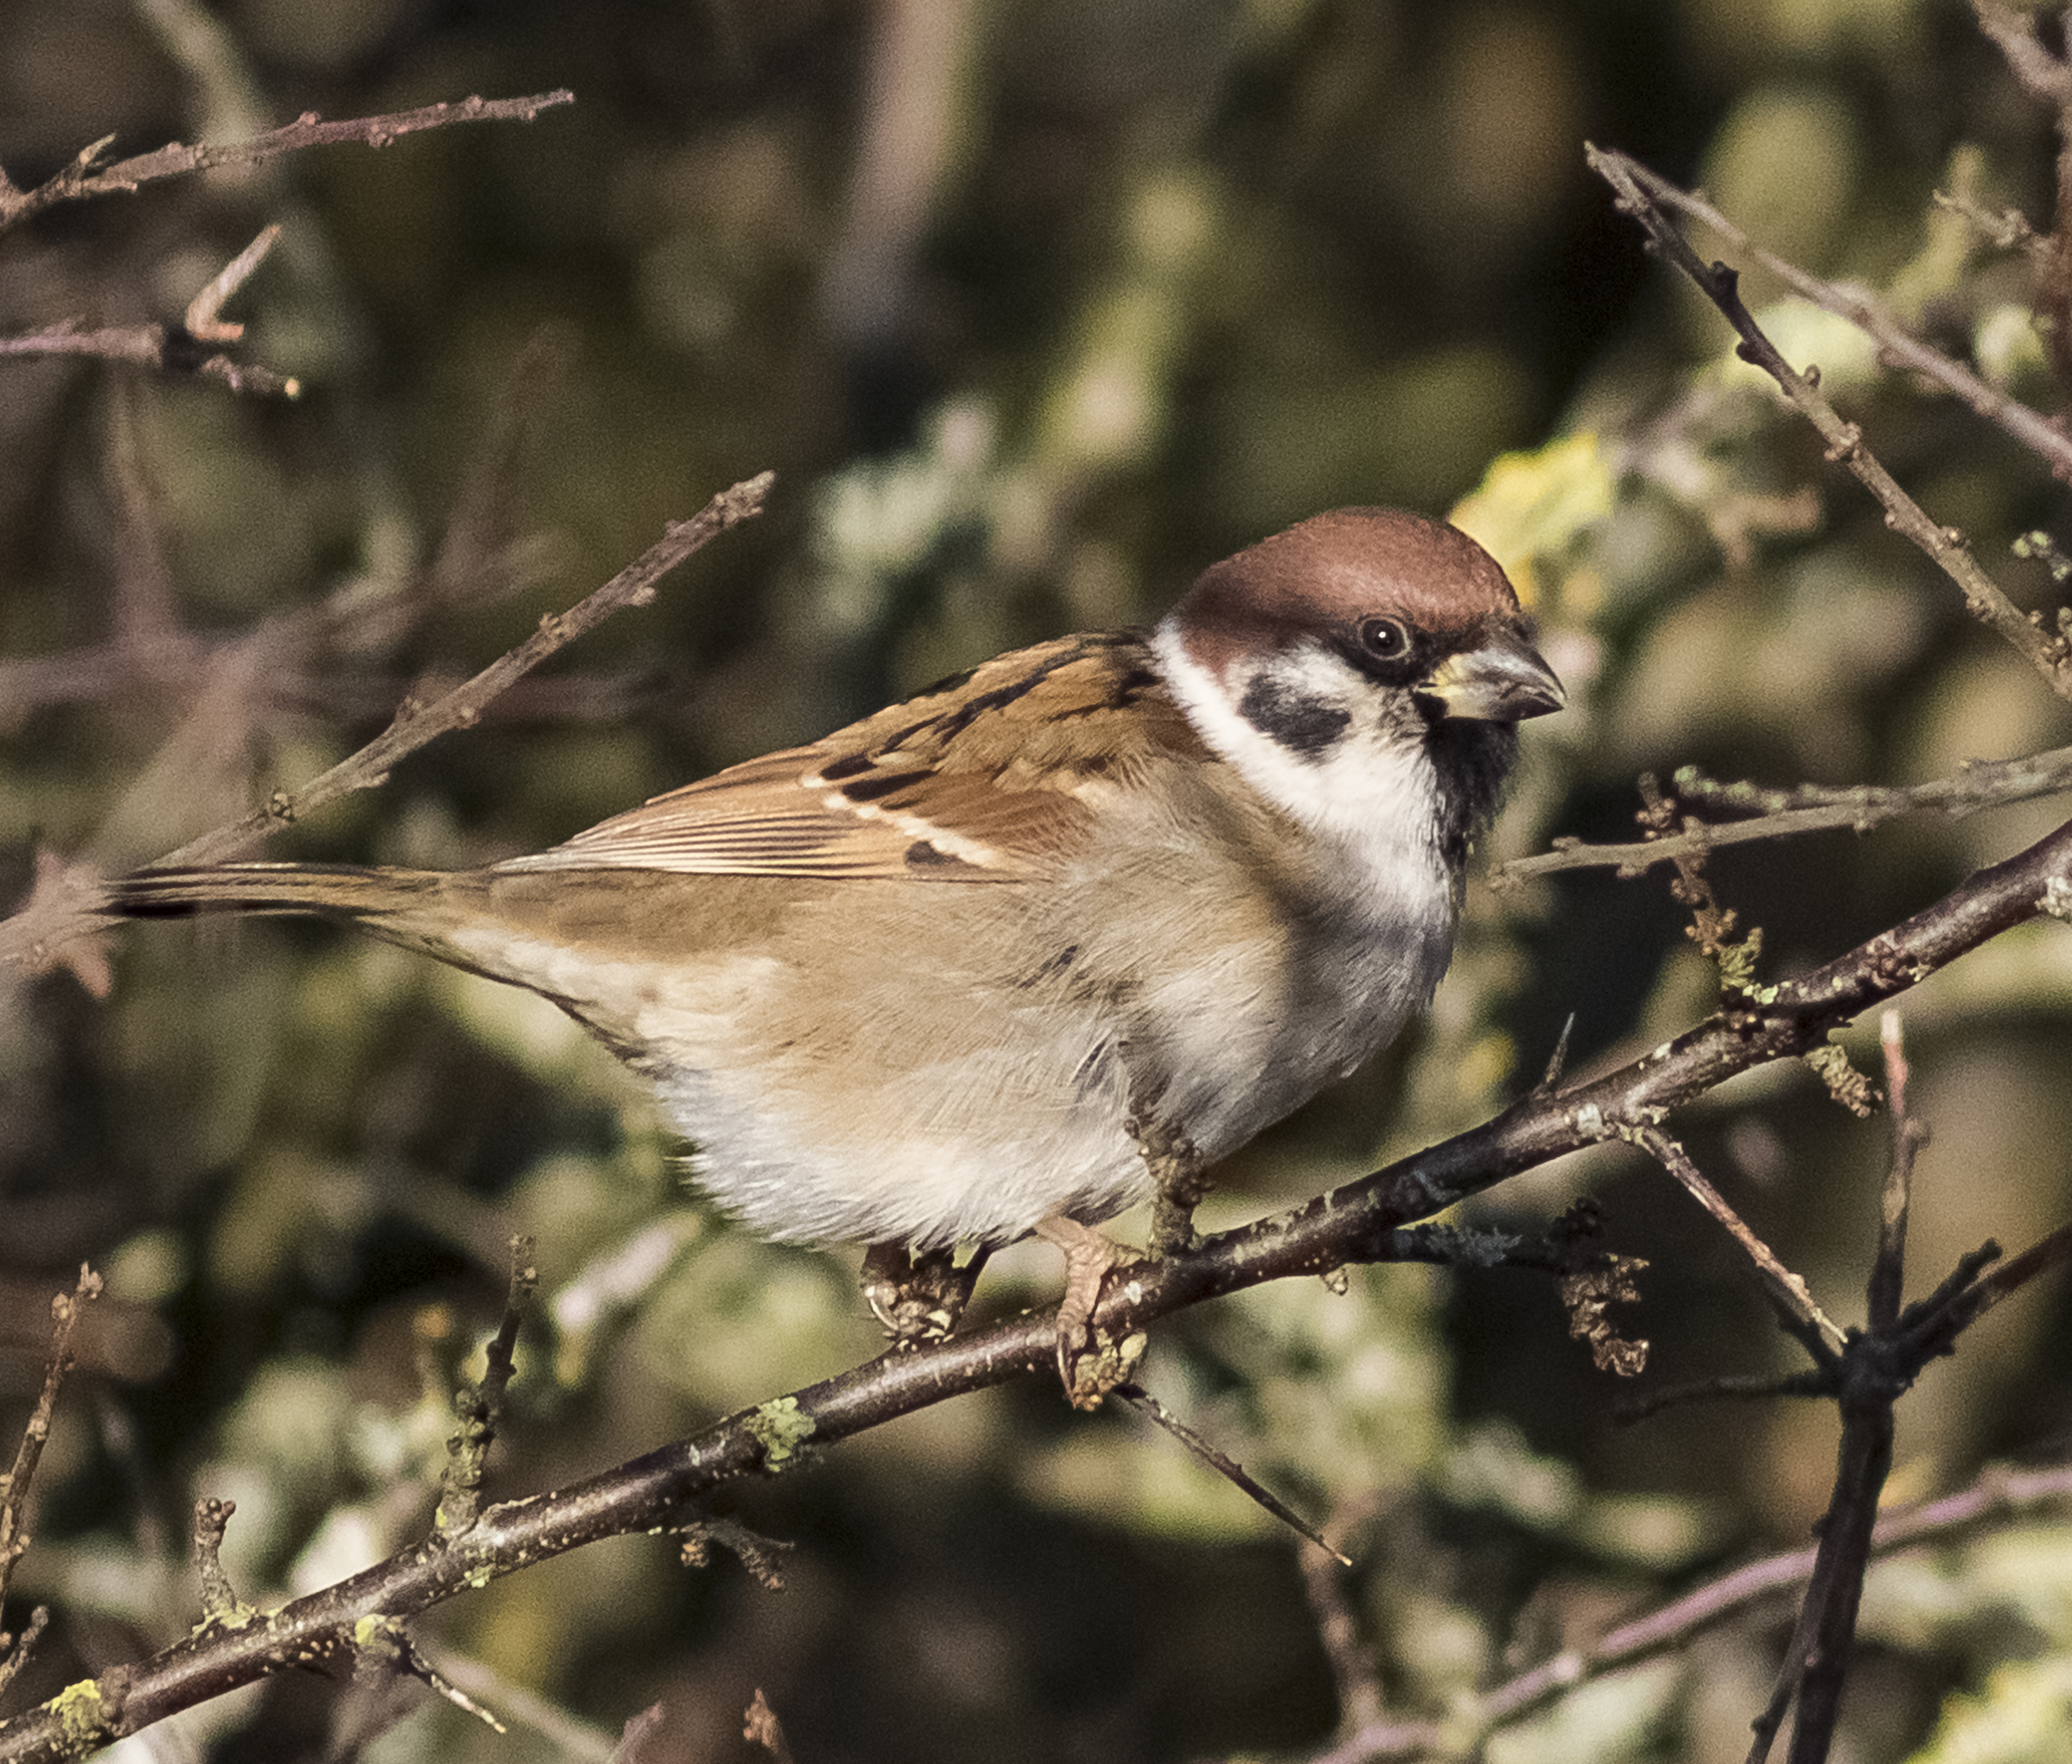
{"x":1227,"y":1467}
{"x":1996,"y":1496}
{"x":219,"y":1603}
{"x":1807,"y":808}
{"x":65,"y":1309}
{"x":203,"y":318}
{"x":1787,"y":1291}
{"x":38,"y":932}
{"x":762,"y":1729}
{"x":1887,"y":1284}
{"x":1897,"y":347}
{"x":88,"y":176}
{"x":479,"y":1404}
{"x":156,"y":346}
{"x":416,"y":726}
{"x":1643,"y":196}
{"x":1358,"y":1222}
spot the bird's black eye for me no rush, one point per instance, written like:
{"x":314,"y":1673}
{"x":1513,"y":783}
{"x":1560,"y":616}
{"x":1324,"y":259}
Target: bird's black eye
{"x":1385,"y":639}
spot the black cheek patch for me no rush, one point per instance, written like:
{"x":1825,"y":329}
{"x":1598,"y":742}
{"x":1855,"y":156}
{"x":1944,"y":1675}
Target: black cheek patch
{"x":1305,"y":727}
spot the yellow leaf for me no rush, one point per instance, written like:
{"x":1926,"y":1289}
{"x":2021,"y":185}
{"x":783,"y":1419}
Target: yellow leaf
{"x":1533,"y":505}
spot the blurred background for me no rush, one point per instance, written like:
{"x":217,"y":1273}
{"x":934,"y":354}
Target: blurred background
{"x":1036,"y":308}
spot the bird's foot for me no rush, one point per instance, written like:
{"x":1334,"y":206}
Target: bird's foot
{"x":918,"y":1298}
{"x":1089,"y":1363}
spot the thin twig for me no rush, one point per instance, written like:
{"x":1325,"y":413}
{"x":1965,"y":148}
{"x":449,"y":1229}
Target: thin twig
{"x":479,"y":1404}
{"x":1338,"y":1627}
{"x":1729,"y":1386}
{"x":1804,"y":809}
{"x":203,"y":318}
{"x":1887,"y":1270}
{"x":88,"y":176}
{"x":65,"y":1309}
{"x":1897,"y":347}
{"x":1787,"y":1291}
{"x":414,"y":727}
{"x":2016,"y":1271}
{"x":15,"y":1650}
{"x":1228,"y":1467}
{"x":761,"y":1728}
{"x":219,"y":1603}
{"x":1643,"y":196}
{"x":1817,"y":1659}
{"x":1995,"y":1495}
{"x":59,"y":909}
{"x":162,"y":349}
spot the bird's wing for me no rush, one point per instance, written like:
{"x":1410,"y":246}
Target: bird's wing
{"x":988,"y":776}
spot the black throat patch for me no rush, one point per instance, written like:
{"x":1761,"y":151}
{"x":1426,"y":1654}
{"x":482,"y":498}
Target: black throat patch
{"x":1306,"y":727}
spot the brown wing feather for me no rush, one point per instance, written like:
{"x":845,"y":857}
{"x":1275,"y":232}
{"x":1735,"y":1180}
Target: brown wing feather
{"x":980,"y":778}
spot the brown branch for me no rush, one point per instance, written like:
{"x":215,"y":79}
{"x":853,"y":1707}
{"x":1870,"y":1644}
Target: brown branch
{"x":175,"y":348}
{"x":1356,"y":1223}
{"x":1998,"y":1496}
{"x":15,"y":1650}
{"x":479,"y":1404}
{"x":1887,"y":1283}
{"x":761,"y":1729}
{"x":1227,"y":1467}
{"x":88,"y":176}
{"x":203,"y":318}
{"x":1644,"y":195}
{"x":65,"y":1309}
{"x":1897,"y":347}
{"x":1788,"y":1293}
{"x":416,"y":725}
{"x":478,"y":558}
{"x":162,"y":349}
{"x":1808,"y":809}
{"x":2047,"y":75}
{"x":219,"y":1603}
{"x":60,"y":910}
{"x":1876,"y":1370}
{"x":1352,"y":1663}
{"x":1994,"y":1497}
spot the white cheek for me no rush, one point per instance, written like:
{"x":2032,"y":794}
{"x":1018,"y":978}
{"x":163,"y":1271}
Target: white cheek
{"x":1371,"y":794}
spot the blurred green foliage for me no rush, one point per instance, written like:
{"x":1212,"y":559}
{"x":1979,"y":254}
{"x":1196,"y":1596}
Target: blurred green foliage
{"x":1036,"y":307}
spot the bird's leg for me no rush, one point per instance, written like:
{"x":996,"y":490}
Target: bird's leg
{"x":1183,"y":1180}
{"x":918,"y":1298}
{"x":1090,"y":1367}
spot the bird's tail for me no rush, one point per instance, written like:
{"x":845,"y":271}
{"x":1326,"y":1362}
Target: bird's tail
{"x":329,"y":891}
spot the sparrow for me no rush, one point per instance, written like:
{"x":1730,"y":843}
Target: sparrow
{"x":1048,"y":937}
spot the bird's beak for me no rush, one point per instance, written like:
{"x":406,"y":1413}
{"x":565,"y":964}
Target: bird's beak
{"x":1503,"y":681}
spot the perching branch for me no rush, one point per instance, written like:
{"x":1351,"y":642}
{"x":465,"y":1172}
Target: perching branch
{"x":1355,"y":1224}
